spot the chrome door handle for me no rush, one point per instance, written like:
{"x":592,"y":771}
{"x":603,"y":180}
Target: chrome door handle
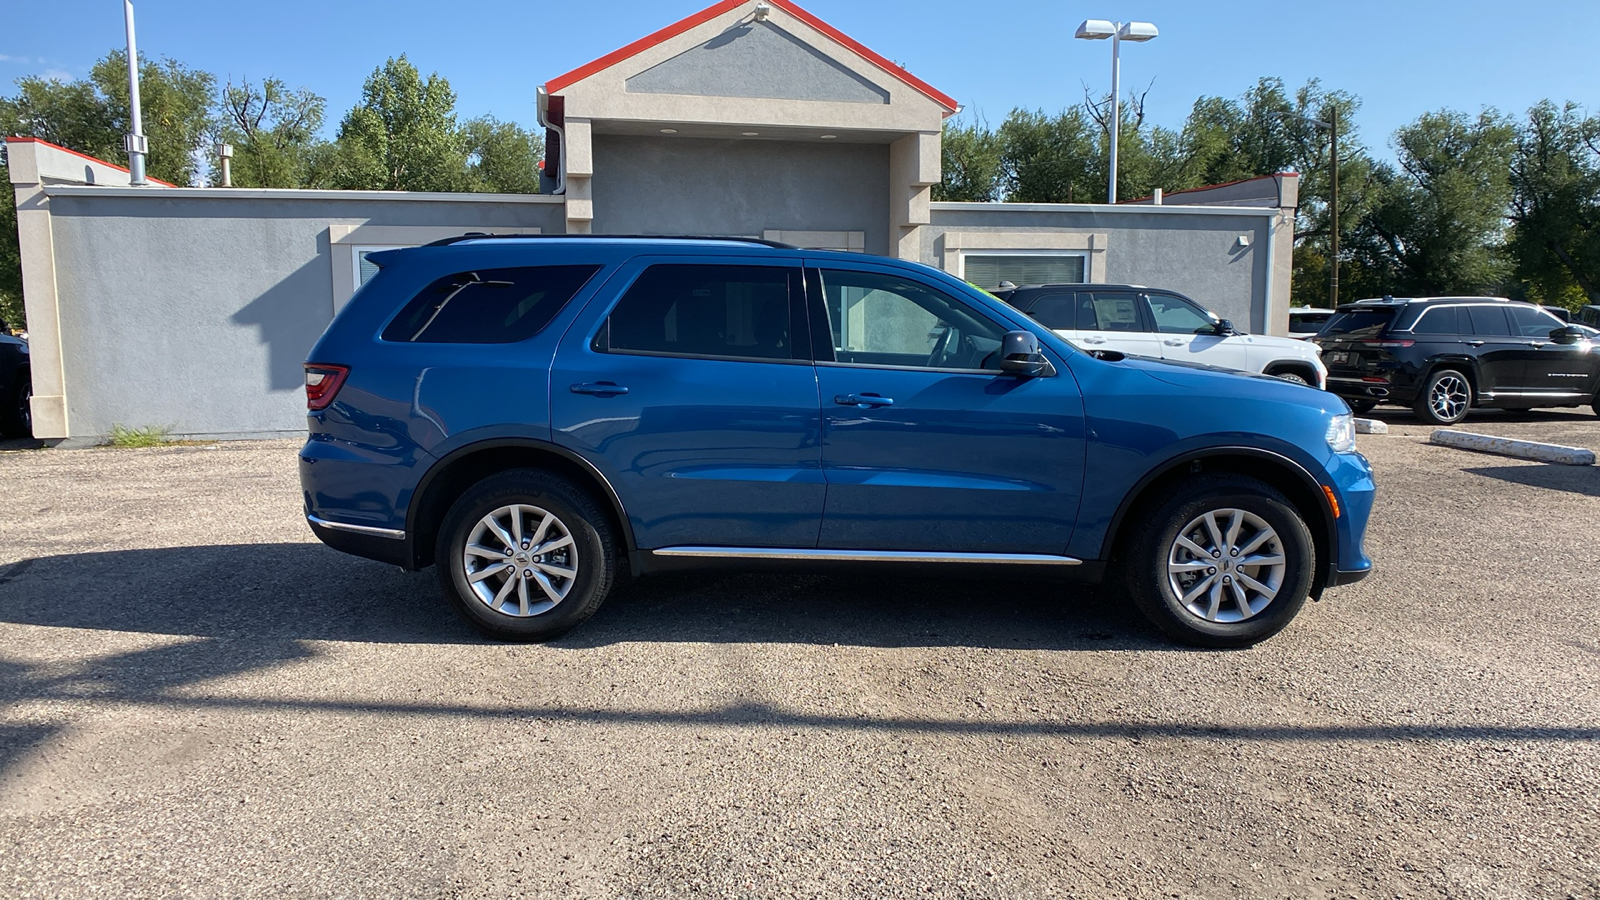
{"x":1538,"y":343}
{"x":865,"y":401}
{"x":1094,"y":340}
{"x":1474,"y":343}
{"x":1173,"y":343}
{"x":600,"y":388}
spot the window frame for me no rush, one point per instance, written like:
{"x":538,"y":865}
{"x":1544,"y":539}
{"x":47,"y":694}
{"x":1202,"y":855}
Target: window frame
{"x":800,"y":328}
{"x":822,"y":329}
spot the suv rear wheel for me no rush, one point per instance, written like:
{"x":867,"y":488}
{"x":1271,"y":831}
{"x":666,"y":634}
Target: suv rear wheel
{"x":525,"y":555}
{"x":1224,"y":561}
{"x":1444,"y":399}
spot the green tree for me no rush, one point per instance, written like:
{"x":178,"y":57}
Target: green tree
{"x":1437,"y":220}
{"x":1050,"y":159}
{"x":1555,"y":208}
{"x":11,"y":309}
{"x":502,"y":157}
{"x":273,"y":131}
{"x":176,"y":106}
{"x":403,"y":135}
{"x":971,"y":163}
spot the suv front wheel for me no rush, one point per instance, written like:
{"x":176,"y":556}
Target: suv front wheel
{"x":525,"y":555}
{"x":1224,"y":561}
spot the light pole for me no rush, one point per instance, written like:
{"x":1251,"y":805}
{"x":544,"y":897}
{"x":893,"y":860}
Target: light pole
{"x":134,"y":142}
{"x":1099,"y":30}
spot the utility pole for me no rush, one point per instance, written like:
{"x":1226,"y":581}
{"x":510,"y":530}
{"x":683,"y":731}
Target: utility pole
{"x":1333,"y":268}
{"x":134,"y":142}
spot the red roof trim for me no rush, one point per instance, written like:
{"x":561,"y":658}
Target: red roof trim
{"x":1209,"y":187}
{"x":34,"y":140}
{"x":711,"y":12}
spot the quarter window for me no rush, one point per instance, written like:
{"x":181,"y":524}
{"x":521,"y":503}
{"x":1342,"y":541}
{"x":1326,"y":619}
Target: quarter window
{"x":1439,"y":320}
{"x":878,"y":319}
{"x":488,"y":306}
{"x":738,"y":312}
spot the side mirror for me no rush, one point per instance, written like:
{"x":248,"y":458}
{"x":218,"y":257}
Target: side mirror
{"x":1567,"y":335}
{"x":1019,"y":355}
{"x":1224,"y":327}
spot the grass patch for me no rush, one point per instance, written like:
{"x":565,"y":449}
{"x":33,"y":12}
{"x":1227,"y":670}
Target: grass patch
{"x":146,"y":436}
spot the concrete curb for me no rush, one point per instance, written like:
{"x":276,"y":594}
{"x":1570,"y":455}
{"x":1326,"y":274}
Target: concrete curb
{"x":1371,"y":426}
{"x":1483,"y":443}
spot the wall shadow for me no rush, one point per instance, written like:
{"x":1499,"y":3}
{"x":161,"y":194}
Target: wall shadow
{"x":291,"y":315}
{"x":1583,"y":480}
{"x":272,"y":595}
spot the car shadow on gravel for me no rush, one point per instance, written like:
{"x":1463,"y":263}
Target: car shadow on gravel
{"x":274,"y":595}
{"x":1583,"y":480}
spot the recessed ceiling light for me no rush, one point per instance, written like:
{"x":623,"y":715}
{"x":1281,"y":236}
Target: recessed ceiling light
{"x":829,"y":137}
{"x":669,"y":131}
{"x":750,"y":133}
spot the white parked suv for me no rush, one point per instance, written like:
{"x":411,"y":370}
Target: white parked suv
{"x":1162,"y":324}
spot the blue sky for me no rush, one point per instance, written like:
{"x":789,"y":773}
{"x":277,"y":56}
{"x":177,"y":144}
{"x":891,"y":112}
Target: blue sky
{"x":1402,"y":57}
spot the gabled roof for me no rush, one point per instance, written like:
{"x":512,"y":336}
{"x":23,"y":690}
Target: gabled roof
{"x":555,"y":85}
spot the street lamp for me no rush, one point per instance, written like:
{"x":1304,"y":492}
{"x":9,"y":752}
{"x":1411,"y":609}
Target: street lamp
{"x":1099,"y":30}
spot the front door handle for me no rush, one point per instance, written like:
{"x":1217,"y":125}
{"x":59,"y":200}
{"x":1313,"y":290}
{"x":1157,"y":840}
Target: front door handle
{"x":865,"y":401}
{"x":1173,"y":342}
{"x":1094,"y":340}
{"x":1538,"y":343}
{"x":1474,"y":343}
{"x":600,"y":388}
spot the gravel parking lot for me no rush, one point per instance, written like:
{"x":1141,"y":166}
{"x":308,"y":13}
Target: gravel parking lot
{"x":198,"y":699}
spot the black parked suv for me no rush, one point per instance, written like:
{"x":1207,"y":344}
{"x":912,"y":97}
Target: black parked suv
{"x":16,"y":386}
{"x":1445,"y":355}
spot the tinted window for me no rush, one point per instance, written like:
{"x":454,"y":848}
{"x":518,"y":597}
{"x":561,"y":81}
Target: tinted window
{"x":1488,"y":320}
{"x":1530,"y":322}
{"x":1174,"y":315}
{"x":488,"y":306}
{"x":1307,"y":321}
{"x":878,"y":319}
{"x":1111,"y":311}
{"x":1357,"y":323}
{"x":1439,"y":320}
{"x":705,"y":310}
{"x":1057,"y":310}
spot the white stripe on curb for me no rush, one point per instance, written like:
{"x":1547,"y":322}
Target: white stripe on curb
{"x":1371,"y":426}
{"x":1483,"y":443}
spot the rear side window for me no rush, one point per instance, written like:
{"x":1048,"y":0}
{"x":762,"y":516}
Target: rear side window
{"x":739,"y":312}
{"x":1357,"y":323}
{"x":488,"y":306}
{"x":1439,"y":320}
{"x":1108,"y":311}
{"x":1056,"y":310}
{"x":1489,"y":321}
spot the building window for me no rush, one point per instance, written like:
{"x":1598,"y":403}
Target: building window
{"x":361,"y":266}
{"x":988,"y":270}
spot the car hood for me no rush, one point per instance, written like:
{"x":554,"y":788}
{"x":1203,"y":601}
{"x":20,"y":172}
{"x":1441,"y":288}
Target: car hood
{"x":1199,"y":376}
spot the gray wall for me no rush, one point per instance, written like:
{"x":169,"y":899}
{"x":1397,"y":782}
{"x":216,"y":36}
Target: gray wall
{"x":1196,"y":255}
{"x":645,"y":185}
{"x":195,"y":313}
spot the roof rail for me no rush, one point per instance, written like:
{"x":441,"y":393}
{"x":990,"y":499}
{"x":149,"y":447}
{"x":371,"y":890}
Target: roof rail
{"x":482,"y":235}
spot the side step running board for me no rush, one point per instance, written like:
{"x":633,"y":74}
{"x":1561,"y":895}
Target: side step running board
{"x":1022,"y":559}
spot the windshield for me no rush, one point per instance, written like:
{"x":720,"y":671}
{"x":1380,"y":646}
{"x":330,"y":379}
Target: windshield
{"x":1357,"y":323}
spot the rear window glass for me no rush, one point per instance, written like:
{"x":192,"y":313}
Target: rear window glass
{"x":1056,"y":310}
{"x":488,"y":306}
{"x":1307,"y":321}
{"x":1489,"y":320}
{"x":1357,"y":323}
{"x":738,"y":312}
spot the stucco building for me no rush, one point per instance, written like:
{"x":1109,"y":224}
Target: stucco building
{"x":192,"y":308}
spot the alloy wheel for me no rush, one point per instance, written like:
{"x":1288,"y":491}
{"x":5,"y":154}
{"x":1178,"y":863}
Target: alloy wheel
{"x":520,"y":560}
{"x":1226,"y":565}
{"x":1448,"y":398}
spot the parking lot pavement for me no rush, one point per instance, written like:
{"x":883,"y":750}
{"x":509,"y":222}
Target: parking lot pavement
{"x":196,"y":698}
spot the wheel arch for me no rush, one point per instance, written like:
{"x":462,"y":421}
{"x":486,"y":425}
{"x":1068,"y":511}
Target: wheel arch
{"x":448,"y":478}
{"x":1283,"y":473}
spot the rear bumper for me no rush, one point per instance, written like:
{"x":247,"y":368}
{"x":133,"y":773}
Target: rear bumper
{"x":1357,"y":389}
{"x":389,"y":548}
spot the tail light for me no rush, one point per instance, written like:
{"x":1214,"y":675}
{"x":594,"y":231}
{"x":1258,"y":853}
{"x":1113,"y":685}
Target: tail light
{"x":323,"y":383}
{"x":1386,"y":344}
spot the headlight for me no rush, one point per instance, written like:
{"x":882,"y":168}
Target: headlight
{"x":1342,"y":433}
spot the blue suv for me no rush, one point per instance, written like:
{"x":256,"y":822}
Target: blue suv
{"x":539,"y":416}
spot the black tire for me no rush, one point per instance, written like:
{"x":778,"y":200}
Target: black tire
{"x":1453,"y":400}
{"x":1156,"y":545}
{"x":1293,"y":377}
{"x":575,"y":512}
{"x":16,"y":420}
{"x":1361,"y":407}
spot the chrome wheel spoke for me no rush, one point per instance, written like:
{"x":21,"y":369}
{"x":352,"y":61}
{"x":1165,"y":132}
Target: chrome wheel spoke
{"x":1199,"y":565}
{"x":1199,"y":588}
{"x":548,"y":588}
{"x":1240,"y":599}
{"x":487,"y":571}
{"x":1234,"y":524}
{"x":1214,"y":531}
{"x":516,"y":527}
{"x":1216,"y":601}
{"x":505,"y":590}
{"x":485,"y":552}
{"x":522,"y":595}
{"x":552,"y":546}
{"x":1261,"y":537}
{"x":1198,"y":551}
{"x":558,"y":571}
{"x":1275,"y":559}
{"x":541,"y":531}
{"x":499,"y":531}
{"x":1258,"y":587}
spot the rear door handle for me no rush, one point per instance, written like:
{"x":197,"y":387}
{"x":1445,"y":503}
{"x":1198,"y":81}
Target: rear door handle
{"x":601,"y":388}
{"x":1474,"y":343}
{"x":1094,"y":340}
{"x":1538,"y":343}
{"x":865,"y":401}
{"x":1173,"y":343}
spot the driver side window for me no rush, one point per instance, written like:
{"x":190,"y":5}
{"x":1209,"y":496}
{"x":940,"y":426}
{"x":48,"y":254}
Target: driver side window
{"x":1175,"y":315}
{"x":887,"y":320}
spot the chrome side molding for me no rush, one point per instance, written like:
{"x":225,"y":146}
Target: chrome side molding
{"x":1023,"y":559}
{"x":393,"y":534}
